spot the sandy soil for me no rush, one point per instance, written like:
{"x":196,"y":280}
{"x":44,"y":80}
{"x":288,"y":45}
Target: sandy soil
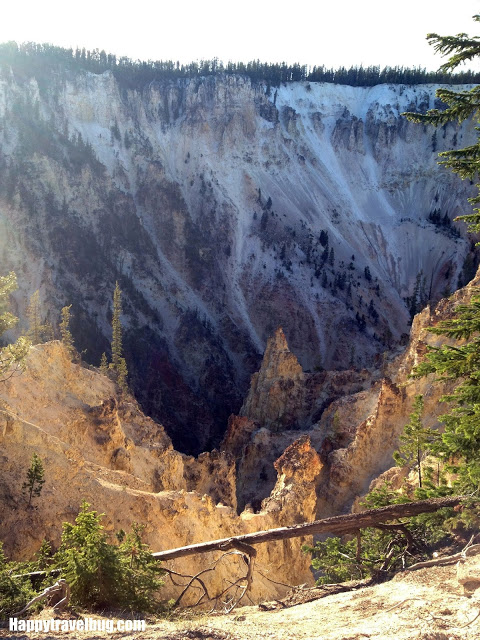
{"x":427,"y":604}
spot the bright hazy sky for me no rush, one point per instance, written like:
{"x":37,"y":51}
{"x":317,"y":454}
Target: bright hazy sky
{"x":330,"y":32}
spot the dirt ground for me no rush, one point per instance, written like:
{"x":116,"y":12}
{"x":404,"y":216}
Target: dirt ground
{"x":427,"y":604}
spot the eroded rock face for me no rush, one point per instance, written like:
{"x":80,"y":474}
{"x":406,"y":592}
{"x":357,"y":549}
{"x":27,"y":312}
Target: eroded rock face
{"x":282,"y":402}
{"x":299,"y":471}
{"x":239,"y":431}
{"x":352,"y":437}
{"x":371,"y":442}
{"x":111,"y":432}
{"x":224,"y":211}
{"x":99,"y":447}
{"x":349,"y":133}
{"x":277,"y":391}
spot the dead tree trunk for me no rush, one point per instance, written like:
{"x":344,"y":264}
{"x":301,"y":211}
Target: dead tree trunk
{"x":338,"y":525}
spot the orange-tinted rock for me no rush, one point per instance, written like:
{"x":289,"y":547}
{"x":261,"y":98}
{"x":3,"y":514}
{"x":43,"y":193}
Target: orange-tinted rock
{"x":99,"y":447}
{"x":299,"y":471}
{"x":277,"y":390}
{"x":239,"y":431}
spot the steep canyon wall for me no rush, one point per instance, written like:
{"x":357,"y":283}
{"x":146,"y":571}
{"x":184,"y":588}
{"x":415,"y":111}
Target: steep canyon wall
{"x":225,"y":210}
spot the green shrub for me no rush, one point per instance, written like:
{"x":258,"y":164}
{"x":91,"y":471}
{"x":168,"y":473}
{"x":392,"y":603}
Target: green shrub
{"x":140,"y":571}
{"x":389,"y":548}
{"x":101,"y":574}
{"x":14,"y":592}
{"x":89,"y":564}
{"x":336,"y":561}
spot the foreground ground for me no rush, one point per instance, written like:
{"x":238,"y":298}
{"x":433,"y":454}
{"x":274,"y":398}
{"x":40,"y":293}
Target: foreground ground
{"x":427,"y":604}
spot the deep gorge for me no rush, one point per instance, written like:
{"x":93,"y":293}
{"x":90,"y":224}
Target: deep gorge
{"x":226,"y":210}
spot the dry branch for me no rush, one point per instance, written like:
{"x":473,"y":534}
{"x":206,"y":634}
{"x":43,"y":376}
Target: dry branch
{"x":444,"y":560}
{"x":338,"y":525}
{"x":232,"y":547}
{"x":58,"y":595}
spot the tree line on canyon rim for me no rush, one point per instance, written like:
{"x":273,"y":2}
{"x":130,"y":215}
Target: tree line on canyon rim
{"x":130,"y":577}
{"x":39,"y":60}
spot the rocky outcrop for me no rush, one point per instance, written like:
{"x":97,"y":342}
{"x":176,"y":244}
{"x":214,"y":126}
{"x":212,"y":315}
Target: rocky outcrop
{"x":373,"y":440}
{"x":283,"y":397}
{"x":283,"y":401}
{"x":299,"y":471}
{"x":277,"y":391}
{"x":349,"y":133}
{"x":239,"y":431}
{"x":109,"y":431}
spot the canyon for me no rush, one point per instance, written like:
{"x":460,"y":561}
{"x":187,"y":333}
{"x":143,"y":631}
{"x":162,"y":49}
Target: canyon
{"x":281,"y":252}
{"x":225,"y":209}
{"x":98,"y":446}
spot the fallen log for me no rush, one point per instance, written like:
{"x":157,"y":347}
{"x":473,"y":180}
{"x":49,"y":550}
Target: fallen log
{"x":337,"y":525}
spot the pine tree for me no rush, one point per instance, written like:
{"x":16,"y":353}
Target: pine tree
{"x":35,"y":326}
{"x":102,"y":574}
{"x":122,"y":373}
{"x":7,"y":285}
{"x":461,"y":105}
{"x":89,"y":564}
{"x":104,"y":364}
{"x":118,"y":363}
{"x":416,"y":440}
{"x":35,"y":479}
{"x":117,"y":347}
{"x":460,"y":442}
{"x":48,"y":331}
{"x":65,"y":332}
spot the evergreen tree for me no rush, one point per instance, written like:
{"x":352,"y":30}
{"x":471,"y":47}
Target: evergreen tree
{"x":460,"y":106}
{"x":117,"y":347}
{"x":12,"y":356}
{"x":89,"y":563}
{"x":335,"y":424}
{"x":416,"y":440}
{"x":35,"y":479}
{"x":7,"y":285}
{"x":122,"y":373}
{"x":48,"y":331}
{"x":35,"y":326}
{"x":102,"y":574}
{"x":460,"y":442}
{"x":118,"y":363}
{"x":104,"y":364}
{"x":43,"y":557}
{"x":65,"y":332}
{"x":15,"y":591}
